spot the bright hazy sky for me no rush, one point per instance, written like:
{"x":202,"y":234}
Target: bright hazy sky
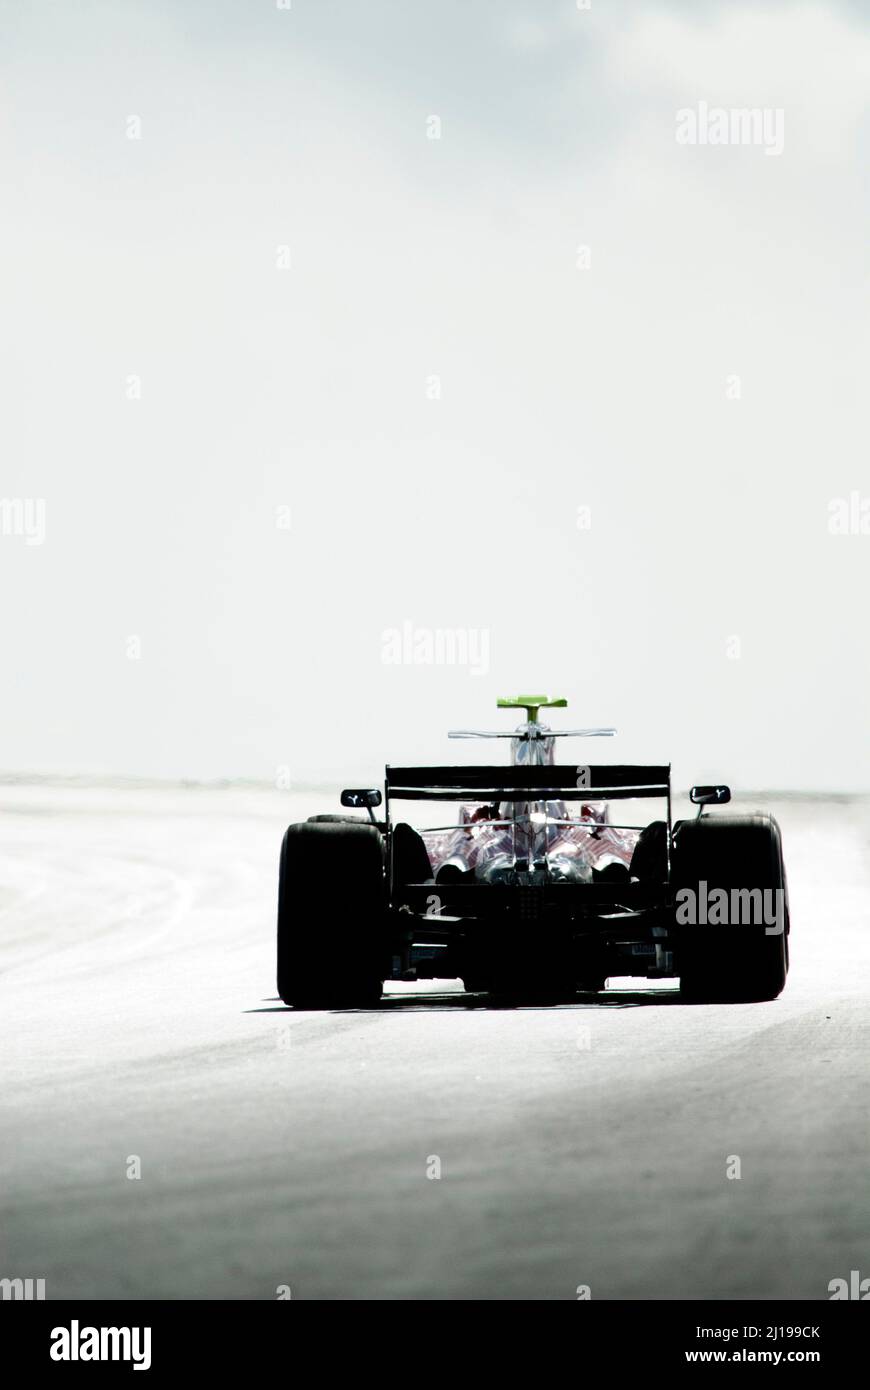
{"x":435,"y":387}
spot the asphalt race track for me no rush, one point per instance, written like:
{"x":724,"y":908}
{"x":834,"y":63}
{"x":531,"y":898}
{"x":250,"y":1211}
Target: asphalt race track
{"x":580,"y":1145}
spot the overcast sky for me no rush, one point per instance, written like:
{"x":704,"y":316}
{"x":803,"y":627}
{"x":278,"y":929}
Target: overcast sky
{"x":302,"y":386}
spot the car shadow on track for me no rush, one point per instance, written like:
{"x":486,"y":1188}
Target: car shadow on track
{"x":456,"y":999}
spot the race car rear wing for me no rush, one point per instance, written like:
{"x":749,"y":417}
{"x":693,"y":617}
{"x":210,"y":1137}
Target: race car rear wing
{"x":569,"y":782}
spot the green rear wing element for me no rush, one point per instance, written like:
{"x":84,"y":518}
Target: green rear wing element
{"x":531,"y":704}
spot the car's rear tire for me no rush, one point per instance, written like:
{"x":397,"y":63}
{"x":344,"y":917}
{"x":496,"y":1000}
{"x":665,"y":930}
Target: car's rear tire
{"x":338,"y":820}
{"x":331,"y":916}
{"x":739,"y":961}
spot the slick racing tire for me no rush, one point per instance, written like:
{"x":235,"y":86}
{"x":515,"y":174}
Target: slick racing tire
{"x":331,"y":916}
{"x":338,"y":820}
{"x":743,"y":957}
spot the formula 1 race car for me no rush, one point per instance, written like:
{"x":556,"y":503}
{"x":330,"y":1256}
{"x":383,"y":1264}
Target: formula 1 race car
{"x":531,"y":893}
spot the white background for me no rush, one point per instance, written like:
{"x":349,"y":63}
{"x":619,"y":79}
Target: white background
{"x":605,"y":387}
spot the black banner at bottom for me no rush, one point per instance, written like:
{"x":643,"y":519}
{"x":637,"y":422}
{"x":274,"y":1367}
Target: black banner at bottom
{"x":167,"y":1339}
